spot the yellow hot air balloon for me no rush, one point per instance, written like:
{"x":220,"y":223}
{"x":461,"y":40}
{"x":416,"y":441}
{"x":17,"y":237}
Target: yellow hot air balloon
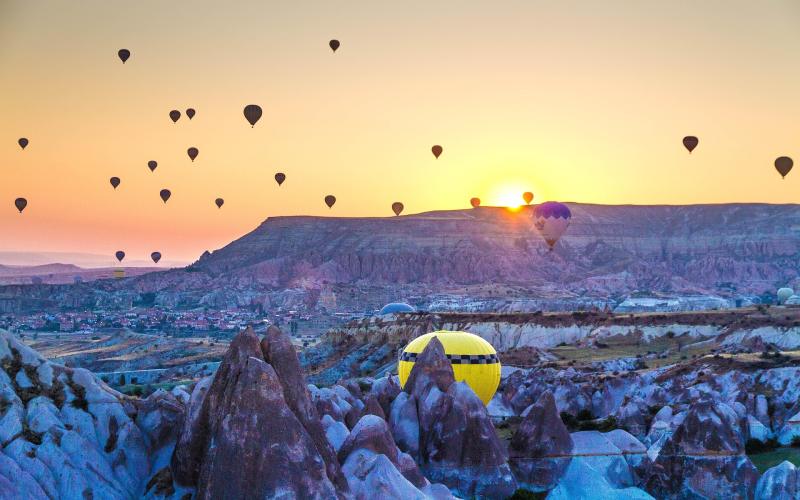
{"x":473,"y":359}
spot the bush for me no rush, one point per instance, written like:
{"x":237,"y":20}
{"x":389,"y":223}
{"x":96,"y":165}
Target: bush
{"x":795,"y":442}
{"x":585,"y":414}
{"x":523,"y":494}
{"x":754,"y":446}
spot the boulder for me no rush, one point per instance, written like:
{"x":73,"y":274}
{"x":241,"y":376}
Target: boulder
{"x":781,"y":482}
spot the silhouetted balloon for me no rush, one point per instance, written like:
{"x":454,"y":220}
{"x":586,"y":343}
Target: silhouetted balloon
{"x":152,"y":164}
{"x":334,"y":44}
{"x":397,"y":208}
{"x":437,"y":150}
{"x":190,"y":113}
{"x":192,"y":152}
{"x":219,"y":202}
{"x":124,"y":54}
{"x":252,"y":112}
{"x":156,"y":256}
{"x":690,"y":142}
{"x":784,"y":165}
{"x":475,"y":202}
{"x":22,"y":142}
{"x":330,"y":200}
{"x":165,"y":194}
{"x":175,"y":115}
{"x":114,"y":182}
{"x":528,"y":197}
{"x":120,"y":255}
{"x":551,"y":219}
{"x":280,"y":177}
{"x":20,"y":203}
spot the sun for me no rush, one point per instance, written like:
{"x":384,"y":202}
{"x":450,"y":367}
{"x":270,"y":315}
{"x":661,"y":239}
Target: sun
{"x":509,"y":196}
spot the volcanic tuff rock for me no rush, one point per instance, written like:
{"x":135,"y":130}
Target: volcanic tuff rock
{"x":781,"y":482}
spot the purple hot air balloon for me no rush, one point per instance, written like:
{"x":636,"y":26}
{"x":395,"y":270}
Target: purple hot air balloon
{"x":551,"y":219}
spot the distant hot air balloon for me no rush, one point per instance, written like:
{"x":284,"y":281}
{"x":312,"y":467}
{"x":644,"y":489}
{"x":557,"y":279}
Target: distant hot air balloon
{"x":551,"y":219}
{"x":192,"y":152}
{"x":528,"y":197}
{"x":784,"y":165}
{"x":475,"y":202}
{"x":334,"y":44}
{"x":120,"y":255}
{"x":114,"y":182}
{"x":165,"y":194}
{"x":280,"y":177}
{"x":22,"y":142}
{"x":174,"y":115}
{"x":252,"y":113}
{"x":20,"y":203}
{"x":152,"y":164}
{"x":219,"y":202}
{"x":397,"y":208}
{"x":124,"y":54}
{"x":437,"y":150}
{"x":330,"y":200}
{"x":190,"y":113}
{"x":690,"y":142}
{"x":156,"y":256}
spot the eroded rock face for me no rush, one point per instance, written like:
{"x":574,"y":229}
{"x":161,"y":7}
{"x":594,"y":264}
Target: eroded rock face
{"x":704,"y":457}
{"x":540,"y":448}
{"x":781,"y":482}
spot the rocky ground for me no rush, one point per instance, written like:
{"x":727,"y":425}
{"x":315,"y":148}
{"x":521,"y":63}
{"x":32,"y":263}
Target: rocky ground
{"x":256,"y":429}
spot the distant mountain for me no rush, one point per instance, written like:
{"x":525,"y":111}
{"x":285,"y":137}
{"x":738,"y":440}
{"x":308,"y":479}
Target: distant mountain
{"x":739,"y":248}
{"x":62,"y":273}
{"x":84,"y":260}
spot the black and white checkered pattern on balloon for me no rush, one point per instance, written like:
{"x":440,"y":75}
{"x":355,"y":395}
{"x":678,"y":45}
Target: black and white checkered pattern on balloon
{"x":458,"y":359}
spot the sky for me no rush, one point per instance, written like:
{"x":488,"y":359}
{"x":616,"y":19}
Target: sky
{"x":583,"y":101}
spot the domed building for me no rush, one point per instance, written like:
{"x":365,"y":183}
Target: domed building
{"x":396,"y":308}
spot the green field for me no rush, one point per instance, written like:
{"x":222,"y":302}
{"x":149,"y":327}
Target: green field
{"x":764,"y":461}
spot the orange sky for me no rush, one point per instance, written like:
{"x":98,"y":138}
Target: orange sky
{"x":573,"y":100}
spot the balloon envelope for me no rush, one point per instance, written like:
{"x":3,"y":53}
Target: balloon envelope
{"x":190,"y":113}
{"x":192,"y":152}
{"x":156,"y":256}
{"x":219,"y":202}
{"x":20,"y":203}
{"x":528,"y":197}
{"x":551,"y":219}
{"x":334,"y":44}
{"x":784,"y":165}
{"x":475,"y":202}
{"x":114,"y":182}
{"x":436,"y":150}
{"x":22,"y":142}
{"x":174,"y":115}
{"x":330,"y":200}
{"x":252,"y":113}
{"x":690,"y":142}
{"x":152,"y":164}
{"x":280,"y":177}
{"x":397,"y":208}
{"x":120,"y":255}
{"x":165,"y":194}
{"x":124,"y":54}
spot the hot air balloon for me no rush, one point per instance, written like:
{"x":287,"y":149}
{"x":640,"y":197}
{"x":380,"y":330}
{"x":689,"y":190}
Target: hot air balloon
{"x":190,"y":113}
{"x":124,"y":54}
{"x":114,"y":182}
{"x":690,"y":142}
{"x":551,"y":220}
{"x":152,"y":164}
{"x":784,"y":294}
{"x":437,"y":150}
{"x":165,"y":194}
{"x":219,"y":202}
{"x":174,"y":115}
{"x":192,"y":152}
{"x":156,"y":256}
{"x":528,"y":197}
{"x":334,"y":44}
{"x":473,"y":360}
{"x":475,"y":202}
{"x":397,"y":208}
{"x":784,"y":165}
{"x":330,"y":200}
{"x":252,"y":113}
{"x":280,"y":177}
{"x":120,"y":255}
{"x":22,"y":142}
{"x":20,"y":203}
